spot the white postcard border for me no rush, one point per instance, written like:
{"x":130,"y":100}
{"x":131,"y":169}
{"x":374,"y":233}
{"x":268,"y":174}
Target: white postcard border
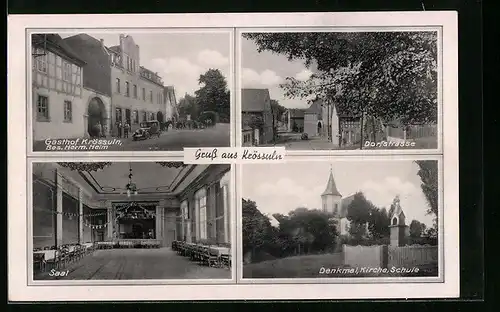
{"x":17,"y":170}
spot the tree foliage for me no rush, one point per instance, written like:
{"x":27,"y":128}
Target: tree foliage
{"x":257,"y":228}
{"x":417,"y":229}
{"x":188,"y":106}
{"x":379,"y":222}
{"x":428,"y":173}
{"x":387,"y":75}
{"x":359,"y":209}
{"x":214,"y":94}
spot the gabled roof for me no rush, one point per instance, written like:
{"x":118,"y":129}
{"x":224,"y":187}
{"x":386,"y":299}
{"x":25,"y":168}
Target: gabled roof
{"x":315,"y":108}
{"x":331,"y":188}
{"x":115,"y":49}
{"x":97,"y":72}
{"x":56,"y":44}
{"x":344,"y":209}
{"x":254,"y":100}
{"x":296,"y":113}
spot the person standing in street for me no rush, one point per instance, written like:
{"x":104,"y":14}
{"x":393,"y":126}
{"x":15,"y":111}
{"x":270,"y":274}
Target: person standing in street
{"x":126,"y":129}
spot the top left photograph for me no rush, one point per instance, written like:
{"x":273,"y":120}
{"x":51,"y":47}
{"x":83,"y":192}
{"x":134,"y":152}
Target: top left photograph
{"x":157,"y":91}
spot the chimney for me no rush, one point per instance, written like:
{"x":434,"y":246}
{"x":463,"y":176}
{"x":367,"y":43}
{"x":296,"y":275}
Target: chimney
{"x":102,"y":43}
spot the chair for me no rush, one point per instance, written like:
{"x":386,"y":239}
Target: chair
{"x":210,"y":258}
{"x":39,"y":262}
{"x":53,"y":259}
{"x":225,"y":260}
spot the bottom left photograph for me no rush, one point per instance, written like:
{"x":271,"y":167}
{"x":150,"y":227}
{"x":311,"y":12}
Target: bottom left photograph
{"x":130,"y":221}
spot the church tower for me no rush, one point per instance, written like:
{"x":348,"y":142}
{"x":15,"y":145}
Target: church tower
{"x":331,"y":198}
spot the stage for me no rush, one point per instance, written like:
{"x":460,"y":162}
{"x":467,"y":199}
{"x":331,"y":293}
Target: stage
{"x":128,"y":243}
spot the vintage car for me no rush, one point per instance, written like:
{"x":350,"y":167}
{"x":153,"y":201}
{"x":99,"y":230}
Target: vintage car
{"x":147,"y":129}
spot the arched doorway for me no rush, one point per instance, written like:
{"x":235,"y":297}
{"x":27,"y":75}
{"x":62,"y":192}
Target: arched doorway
{"x":96,"y":115}
{"x":319,"y":127}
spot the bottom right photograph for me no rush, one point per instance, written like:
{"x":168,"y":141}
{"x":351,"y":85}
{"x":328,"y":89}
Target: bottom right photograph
{"x":341,"y":219}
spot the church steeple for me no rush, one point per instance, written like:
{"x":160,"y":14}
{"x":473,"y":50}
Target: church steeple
{"x":331,"y":188}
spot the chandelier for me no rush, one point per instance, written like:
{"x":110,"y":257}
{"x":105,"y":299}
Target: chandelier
{"x":131,"y":187}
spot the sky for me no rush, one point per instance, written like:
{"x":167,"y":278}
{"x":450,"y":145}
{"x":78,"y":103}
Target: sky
{"x":280,"y":188}
{"x":268,"y":70}
{"x":179,"y":58}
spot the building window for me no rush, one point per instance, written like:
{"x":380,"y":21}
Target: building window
{"x":42,"y":105}
{"x":151,"y":96}
{"x":41,"y":60}
{"x":151,"y":116}
{"x":118,"y":115}
{"x":68,"y":111}
{"x":336,"y":208}
{"x":144,"y":94}
{"x":127,"y":88}
{"x":135,"y":91}
{"x":144,"y":116}
{"x":66,"y":71}
{"x":201,"y":207}
{"x":118,"y":85}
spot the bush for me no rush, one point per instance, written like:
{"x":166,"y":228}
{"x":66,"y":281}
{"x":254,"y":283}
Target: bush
{"x":304,"y":136}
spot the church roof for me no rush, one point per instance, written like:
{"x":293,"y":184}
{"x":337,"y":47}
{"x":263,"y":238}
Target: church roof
{"x":344,"y":209}
{"x":331,"y":188}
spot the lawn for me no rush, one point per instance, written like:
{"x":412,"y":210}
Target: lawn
{"x":309,"y":266}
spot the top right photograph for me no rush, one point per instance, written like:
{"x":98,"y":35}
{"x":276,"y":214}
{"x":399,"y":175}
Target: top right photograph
{"x":340,"y":90}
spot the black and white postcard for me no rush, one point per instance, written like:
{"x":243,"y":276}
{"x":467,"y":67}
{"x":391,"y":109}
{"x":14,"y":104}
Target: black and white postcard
{"x":233,"y":156}
{"x":337,"y":90}
{"x":112,"y":91}
{"x":344,"y":219}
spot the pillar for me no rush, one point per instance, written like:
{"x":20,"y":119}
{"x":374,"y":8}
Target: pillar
{"x":80,"y":215}
{"x":158,"y":223}
{"x":59,"y":209}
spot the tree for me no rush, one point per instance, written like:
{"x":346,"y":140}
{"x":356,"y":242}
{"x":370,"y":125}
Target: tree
{"x":359,"y":209}
{"x":277,"y":110}
{"x":428,"y":173}
{"x":379,"y":222}
{"x":257,"y":228}
{"x":386,"y":75}
{"x":417,"y":229}
{"x":306,"y":230}
{"x":214,"y":95}
{"x":357,"y":232}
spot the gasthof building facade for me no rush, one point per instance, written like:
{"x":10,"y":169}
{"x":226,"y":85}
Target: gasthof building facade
{"x":137,"y":92}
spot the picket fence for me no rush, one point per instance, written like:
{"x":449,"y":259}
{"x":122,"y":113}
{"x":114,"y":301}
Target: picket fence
{"x":415,"y":255}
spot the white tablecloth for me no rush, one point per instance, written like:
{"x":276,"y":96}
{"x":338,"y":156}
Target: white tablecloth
{"x":49,"y":254}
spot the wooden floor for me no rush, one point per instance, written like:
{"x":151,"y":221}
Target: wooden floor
{"x":123,"y":264}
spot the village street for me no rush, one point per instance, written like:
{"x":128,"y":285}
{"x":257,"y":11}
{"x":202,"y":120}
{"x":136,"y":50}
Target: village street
{"x":292,"y":141}
{"x":176,"y":140}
